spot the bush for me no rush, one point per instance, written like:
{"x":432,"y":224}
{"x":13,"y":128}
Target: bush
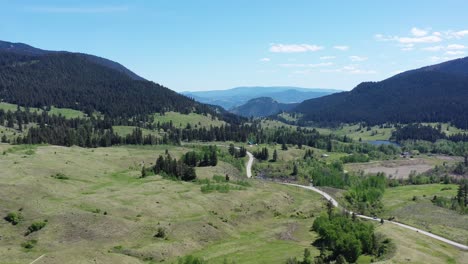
{"x":191,"y":260}
{"x":36,"y":226}
{"x":14,"y":218}
{"x":160,"y":233}
{"x":60,"y":176}
{"x":29,"y":244}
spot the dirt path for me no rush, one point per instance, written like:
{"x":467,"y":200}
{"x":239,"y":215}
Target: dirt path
{"x":335,"y":203}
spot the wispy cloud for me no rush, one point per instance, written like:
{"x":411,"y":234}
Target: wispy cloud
{"x":417,"y":32}
{"x":433,"y":48}
{"x":299,"y":65}
{"x":454,"y":52}
{"x":422,"y":36}
{"x":341,"y":47}
{"x":350,"y":69}
{"x":265,"y":59}
{"x":327,"y":57}
{"x":293,"y":48}
{"x":78,"y":10}
{"x":357,"y":58}
{"x":451,"y":49}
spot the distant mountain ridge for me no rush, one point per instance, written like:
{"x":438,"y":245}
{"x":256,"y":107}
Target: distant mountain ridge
{"x":240,"y":95}
{"x":261,"y":107}
{"x":436,"y":93}
{"x":24,"y":49}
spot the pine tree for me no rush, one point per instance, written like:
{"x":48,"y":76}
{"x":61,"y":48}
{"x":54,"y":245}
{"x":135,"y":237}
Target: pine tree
{"x":284,"y":147}
{"x":275,"y":155}
{"x":295,"y":170}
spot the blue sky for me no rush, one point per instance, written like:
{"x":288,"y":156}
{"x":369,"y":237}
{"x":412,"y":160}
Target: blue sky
{"x":206,"y":45}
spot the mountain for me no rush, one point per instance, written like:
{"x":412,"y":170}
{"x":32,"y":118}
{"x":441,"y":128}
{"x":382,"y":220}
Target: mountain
{"x":437,"y":93}
{"x":260,"y":107}
{"x":238,"y":96}
{"x":24,"y":49}
{"x":36,"y":78}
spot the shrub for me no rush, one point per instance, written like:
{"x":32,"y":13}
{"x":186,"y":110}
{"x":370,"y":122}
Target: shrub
{"x":36,"y":226}
{"x":191,"y":260}
{"x":160,"y":233}
{"x":60,"y":176}
{"x":29,"y":244}
{"x":14,"y":218}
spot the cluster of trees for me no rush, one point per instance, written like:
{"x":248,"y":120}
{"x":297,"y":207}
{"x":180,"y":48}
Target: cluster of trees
{"x":365,"y":193}
{"x":355,"y":157}
{"x":426,"y":133}
{"x":347,"y":238}
{"x":171,"y":167}
{"x":208,"y":156}
{"x":261,"y":154}
{"x":237,"y":153}
{"x":441,"y":146}
{"x":458,"y":203}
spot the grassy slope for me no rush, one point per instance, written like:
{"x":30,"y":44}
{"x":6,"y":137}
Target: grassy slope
{"x":181,"y":120}
{"x":251,"y":226}
{"x":422,"y":213}
{"x":106,"y":179}
{"x":127,"y":130}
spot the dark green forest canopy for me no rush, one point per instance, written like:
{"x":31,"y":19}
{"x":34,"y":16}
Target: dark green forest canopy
{"x":436,"y":93}
{"x":71,"y":80}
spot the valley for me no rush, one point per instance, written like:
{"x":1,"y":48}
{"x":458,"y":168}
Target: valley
{"x":101,"y":165}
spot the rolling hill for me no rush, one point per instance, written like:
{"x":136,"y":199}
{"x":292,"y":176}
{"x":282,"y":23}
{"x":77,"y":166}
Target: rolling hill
{"x":238,"y":96}
{"x":260,"y":107}
{"x":37,"y":78}
{"x":437,"y":93}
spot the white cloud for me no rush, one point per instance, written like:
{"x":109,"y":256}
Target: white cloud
{"x":418,"y":32}
{"x":350,"y":69}
{"x":433,"y":48}
{"x":327,"y":57}
{"x":265,"y":59}
{"x":297,"y":65}
{"x":406,"y":47}
{"x":425,"y":39}
{"x":357,"y":58}
{"x":455,"y":47}
{"x":341,"y":47}
{"x":457,"y":34}
{"x":291,"y":48}
{"x":83,"y":10}
{"x":359,"y":71}
{"x":450,"y":47}
{"x":454,"y":52}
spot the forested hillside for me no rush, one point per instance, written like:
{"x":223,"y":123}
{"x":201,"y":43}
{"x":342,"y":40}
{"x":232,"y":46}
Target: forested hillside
{"x":437,"y":93}
{"x":260,"y":107}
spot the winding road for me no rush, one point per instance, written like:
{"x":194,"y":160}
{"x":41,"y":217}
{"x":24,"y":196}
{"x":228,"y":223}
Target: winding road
{"x":335,"y":203}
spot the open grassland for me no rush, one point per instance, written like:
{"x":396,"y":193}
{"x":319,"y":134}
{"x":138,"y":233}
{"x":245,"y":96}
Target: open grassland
{"x":65,"y":112}
{"x":98,"y":209}
{"x":356,"y":132}
{"x":398,"y":202}
{"x":103,"y":211}
{"x":181,"y":120}
{"x":128,"y":130}
{"x":412,"y":247}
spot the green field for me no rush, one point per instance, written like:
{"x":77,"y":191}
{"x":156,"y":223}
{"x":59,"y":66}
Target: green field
{"x":127,"y":130}
{"x":106,"y":180}
{"x":181,"y":120}
{"x":102,"y":210}
{"x":65,"y":112}
{"x":421,"y":213}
